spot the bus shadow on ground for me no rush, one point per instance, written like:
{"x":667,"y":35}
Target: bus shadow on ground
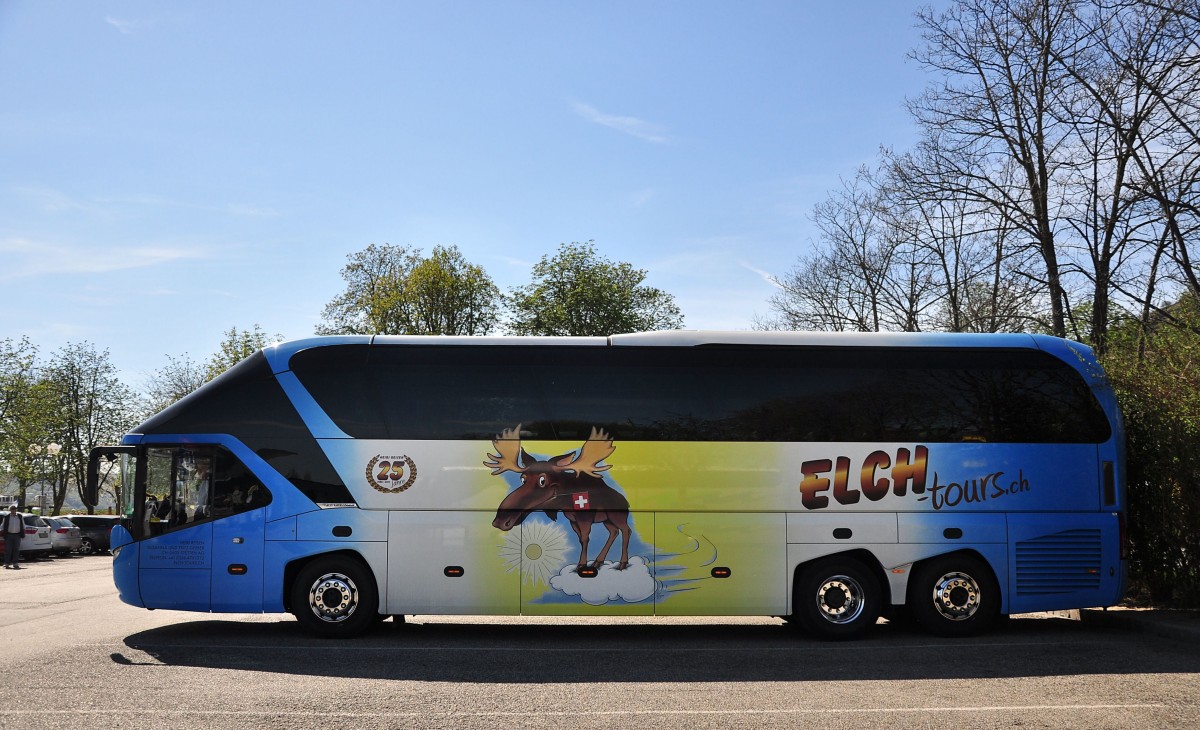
{"x":708,"y":652}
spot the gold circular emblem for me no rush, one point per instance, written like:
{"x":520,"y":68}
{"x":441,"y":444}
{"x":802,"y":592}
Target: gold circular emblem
{"x":391,"y":474}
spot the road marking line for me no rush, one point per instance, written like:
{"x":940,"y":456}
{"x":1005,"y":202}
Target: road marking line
{"x":568,"y":650}
{"x":596,"y":713}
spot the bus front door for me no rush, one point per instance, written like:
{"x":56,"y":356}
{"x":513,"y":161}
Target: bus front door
{"x":175,"y":557}
{"x":174,"y":569}
{"x":233,"y":497}
{"x":237,"y":559}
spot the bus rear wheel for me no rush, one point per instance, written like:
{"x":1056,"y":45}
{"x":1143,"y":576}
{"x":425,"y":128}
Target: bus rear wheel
{"x":954,"y":595}
{"x":836,"y":599}
{"x":335,"y":597}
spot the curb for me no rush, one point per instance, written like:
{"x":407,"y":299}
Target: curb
{"x":1177,"y":625}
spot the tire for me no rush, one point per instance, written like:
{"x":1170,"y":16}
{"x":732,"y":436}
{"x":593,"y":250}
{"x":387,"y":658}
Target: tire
{"x":838,"y":598}
{"x":335,"y":597}
{"x":87,"y":547}
{"x":954,"y":595}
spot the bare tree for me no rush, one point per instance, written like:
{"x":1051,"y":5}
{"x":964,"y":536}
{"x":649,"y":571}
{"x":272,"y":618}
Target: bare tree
{"x":812,"y":296}
{"x":997,"y":105}
{"x":1057,"y":178}
{"x":1167,"y":147}
{"x":843,"y":284}
{"x":986,"y":283}
{"x":900,"y":250}
{"x":1093,"y":105}
{"x":1131,"y":82}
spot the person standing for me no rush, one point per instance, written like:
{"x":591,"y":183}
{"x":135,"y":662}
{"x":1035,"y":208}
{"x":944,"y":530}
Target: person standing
{"x":14,"y":530}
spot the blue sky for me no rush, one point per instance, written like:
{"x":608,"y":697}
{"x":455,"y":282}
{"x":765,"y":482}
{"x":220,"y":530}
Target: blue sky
{"x":171,"y":170}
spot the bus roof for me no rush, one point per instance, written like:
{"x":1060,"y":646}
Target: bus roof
{"x":280,"y":354}
{"x":693,"y":338}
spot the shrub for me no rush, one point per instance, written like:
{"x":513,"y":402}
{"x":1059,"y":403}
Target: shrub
{"x":1156,"y":373}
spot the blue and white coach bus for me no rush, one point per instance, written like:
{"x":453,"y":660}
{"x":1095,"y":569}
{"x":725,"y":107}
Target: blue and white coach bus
{"x":825,"y":478}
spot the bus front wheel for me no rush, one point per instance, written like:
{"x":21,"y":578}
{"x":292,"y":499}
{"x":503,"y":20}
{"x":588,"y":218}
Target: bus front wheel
{"x":836,"y":599}
{"x":335,"y":597}
{"x":954,"y":595}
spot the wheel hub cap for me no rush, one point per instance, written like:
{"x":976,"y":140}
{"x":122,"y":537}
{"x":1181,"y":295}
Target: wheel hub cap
{"x":840,"y":599}
{"x":956,"y":596}
{"x":333,"y":597}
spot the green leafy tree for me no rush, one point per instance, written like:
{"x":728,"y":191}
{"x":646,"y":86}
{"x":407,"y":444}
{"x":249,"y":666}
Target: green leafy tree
{"x":1153,"y":369}
{"x":180,"y":376}
{"x":579,"y":292}
{"x":394,"y":290}
{"x":16,"y":370}
{"x":236,"y":345}
{"x":26,"y":416}
{"x":93,"y":407}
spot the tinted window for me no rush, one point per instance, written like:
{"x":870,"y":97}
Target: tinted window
{"x":190,"y":484}
{"x":707,"y":393}
{"x":247,"y":402}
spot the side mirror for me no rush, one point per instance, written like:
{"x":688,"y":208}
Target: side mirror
{"x":91,"y":489}
{"x":118,"y":538}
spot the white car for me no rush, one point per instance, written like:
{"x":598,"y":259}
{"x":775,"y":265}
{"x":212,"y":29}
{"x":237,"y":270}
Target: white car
{"x":64,"y":535}
{"x":36,"y":543}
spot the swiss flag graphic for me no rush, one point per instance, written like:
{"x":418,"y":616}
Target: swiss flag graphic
{"x":580,"y":500}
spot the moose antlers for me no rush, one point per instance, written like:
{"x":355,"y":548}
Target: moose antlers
{"x":508,"y":448}
{"x":597,"y":448}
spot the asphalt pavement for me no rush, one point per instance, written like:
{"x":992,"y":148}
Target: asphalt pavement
{"x":74,"y":655}
{"x":1165,"y":623}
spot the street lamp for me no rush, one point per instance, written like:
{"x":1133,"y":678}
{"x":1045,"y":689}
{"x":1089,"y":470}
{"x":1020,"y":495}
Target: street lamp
{"x":48,"y":451}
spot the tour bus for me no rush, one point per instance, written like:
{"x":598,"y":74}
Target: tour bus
{"x":824,"y":478}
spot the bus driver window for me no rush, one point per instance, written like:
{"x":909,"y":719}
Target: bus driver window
{"x":186,"y":485}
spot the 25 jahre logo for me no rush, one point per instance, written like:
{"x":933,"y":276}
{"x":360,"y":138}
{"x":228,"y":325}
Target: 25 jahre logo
{"x":391,"y":474}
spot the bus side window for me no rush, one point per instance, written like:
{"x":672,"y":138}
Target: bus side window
{"x":191,"y":484}
{"x":235,"y":489}
{"x":160,"y":477}
{"x":195,"y":487}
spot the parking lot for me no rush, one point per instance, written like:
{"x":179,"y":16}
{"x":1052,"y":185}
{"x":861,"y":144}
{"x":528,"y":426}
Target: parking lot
{"x":74,"y":655}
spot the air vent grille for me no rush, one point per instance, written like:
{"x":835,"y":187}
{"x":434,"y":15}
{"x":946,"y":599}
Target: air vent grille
{"x":1064,"y":562}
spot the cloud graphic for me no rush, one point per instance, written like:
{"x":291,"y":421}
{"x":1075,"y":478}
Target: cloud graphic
{"x":630,"y":585}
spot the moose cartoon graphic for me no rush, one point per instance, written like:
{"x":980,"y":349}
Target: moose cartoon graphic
{"x":571,"y":484}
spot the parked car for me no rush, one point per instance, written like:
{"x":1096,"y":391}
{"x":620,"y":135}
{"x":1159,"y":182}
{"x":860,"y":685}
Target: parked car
{"x":36,"y":543}
{"x":94,"y":530}
{"x":65,"y":537}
